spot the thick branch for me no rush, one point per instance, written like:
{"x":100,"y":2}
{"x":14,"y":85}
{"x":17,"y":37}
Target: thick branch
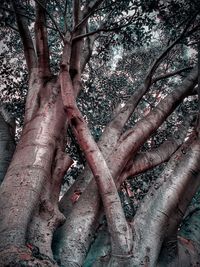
{"x":27,"y":41}
{"x":154,"y":119}
{"x":47,"y":217}
{"x":51,"y":17}
{"x":76,"y":12}
{"x":147,"y":160}
{"x":118,"y":227}
{"x":42,"y":38}
{"x":166,"y":198}
{"x":88,"y":12}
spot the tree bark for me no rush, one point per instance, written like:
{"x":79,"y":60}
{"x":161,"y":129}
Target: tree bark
{"x":164,"y":200}
{"x":28,"y":174}
{"x":7,"y":142}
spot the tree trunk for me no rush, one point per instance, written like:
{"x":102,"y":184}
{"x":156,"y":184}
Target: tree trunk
{"x":29,"y":173}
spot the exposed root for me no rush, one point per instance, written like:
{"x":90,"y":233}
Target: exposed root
{"x":24,"y":257}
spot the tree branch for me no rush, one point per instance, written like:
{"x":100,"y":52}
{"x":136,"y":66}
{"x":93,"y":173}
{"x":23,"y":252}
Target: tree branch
{"x":29,"y":51}
{"x":76,"y":49}
{"x":102,"y":30}
{"x":52,"y":19}
{"x":170,"y":74}
{"x":25,"y":16}
{"x":107,"y":142}
{"x":42,"y":39}
{"x":88,"y":12}
{"x":120,"y":236}
{"x":150,"y":159}
{"x":19,"y":13}
{"x":169,"y":193}
{"x":76,"y":12}
{"x":87,"y":52}
{"x":155,"y":118}
{"x":156,"y":63}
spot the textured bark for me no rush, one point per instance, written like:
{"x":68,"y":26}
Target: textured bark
{"x":29,"y":171}
{"x":146,"y":160}
{"x":106,"y":144}
{"x":47,"y":216}
{"x":121,"y":238}
{"x":7,"y":142}
{"x":168,"y":198}
{"x":42,"y":48}
{"x":190,"y":226}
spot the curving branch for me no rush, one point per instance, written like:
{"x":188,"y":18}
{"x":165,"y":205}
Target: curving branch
{"x":131,"y":140}
{"x":121,"y":238}
{"x":63,"y":162}
{"x":169,"y":195}
{"x":144,"y":161}
{"x":122,"y":114}
{"x":107,"y":142}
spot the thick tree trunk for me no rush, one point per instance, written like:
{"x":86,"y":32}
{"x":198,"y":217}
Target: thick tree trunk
{"x":28,"y":175}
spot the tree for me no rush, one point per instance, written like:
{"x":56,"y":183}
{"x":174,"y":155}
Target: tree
{"x":29,"y":195}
